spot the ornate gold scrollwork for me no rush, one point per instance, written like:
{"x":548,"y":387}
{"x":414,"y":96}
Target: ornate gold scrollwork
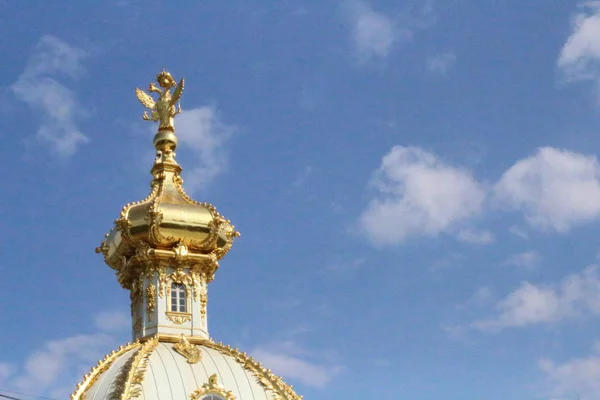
{"x":128,"y":383}
{"x":162,"y":281}
{"x":190,"y":351}
{"x":90,"y":378}
{"x":212,"y":387}
{"x":181,"y":277}
{"x":151,"y":301}
{"x":177,"y":317}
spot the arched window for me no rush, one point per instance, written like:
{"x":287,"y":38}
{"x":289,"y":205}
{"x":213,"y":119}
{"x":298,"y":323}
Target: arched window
{"x":212,"y":397}
{"x":178,"y":300}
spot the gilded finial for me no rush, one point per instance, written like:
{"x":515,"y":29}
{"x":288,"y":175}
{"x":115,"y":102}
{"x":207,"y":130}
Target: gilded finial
{"x":164,"y":108}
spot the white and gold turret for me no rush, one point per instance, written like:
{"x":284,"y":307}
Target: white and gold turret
{"x":166,"y":247}
{"x":165,"y":250}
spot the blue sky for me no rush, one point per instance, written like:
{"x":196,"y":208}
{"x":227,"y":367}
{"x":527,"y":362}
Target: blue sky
{"x":416,"y":184}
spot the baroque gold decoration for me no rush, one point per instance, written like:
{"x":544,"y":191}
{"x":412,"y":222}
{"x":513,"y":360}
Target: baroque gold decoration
{"x":190,"y":351}
{"x":128,"y":383}
{"x":90,"y":378}
{"x":178,"y":317}
{"x":273,"y":383}
{"x":151,"y":295}
{"x":162,"y":281}
{"x":203,"y":301}
{"x":212,"y":387}
{"x":163,"y":108}
{"x":181,"y":277}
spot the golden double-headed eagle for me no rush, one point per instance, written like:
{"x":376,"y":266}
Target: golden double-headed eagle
{"x":163,"y":108}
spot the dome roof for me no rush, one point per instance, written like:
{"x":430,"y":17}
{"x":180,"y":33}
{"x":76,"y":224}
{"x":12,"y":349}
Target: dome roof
{"x":176,"y":370}
{"x":166,"y":219}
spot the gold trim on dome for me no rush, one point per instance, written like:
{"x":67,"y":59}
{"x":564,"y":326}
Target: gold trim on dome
{"x":90,"y":378}
{"x":271,"y":382}
{"x":212,"y":387}
{"x":178,"y":317}
{"x":190,"y":351}
{"x":128,"y":383}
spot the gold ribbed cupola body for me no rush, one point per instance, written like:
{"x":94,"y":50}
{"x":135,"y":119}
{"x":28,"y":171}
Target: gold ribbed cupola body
{"x":166,"y":248}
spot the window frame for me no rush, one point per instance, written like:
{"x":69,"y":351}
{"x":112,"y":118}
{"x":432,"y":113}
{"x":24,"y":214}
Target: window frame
{"x":178,"y":298}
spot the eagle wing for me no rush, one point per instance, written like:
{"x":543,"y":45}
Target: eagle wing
{"x":177,"y":92}
{"x":144,"y":98}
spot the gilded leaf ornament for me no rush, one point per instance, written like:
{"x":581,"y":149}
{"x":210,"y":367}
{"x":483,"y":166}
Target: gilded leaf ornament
{"x":151,"y":299}
{"x":128,"y":384}
{"x":178,"y":317}
{"x":212,"y":387}
{"x":190,"y":351}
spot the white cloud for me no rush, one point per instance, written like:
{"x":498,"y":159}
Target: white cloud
{"x":482,"y":296}
{"x":202,"y":131}
{"x":419,"y":196}
{"x":303,"y":176}
{"x":441,"y":63}
{"x":475,"y":237}
{"x":373,"y":33}
{"x":580,"y":56}
{"x":55,"y":367}
{"x":6,"y":371}
{"x":56,"y":104}
{"x":61,"y":360}
{"x":526,"y":259}
{"x":291,"y":361}
{"x":555,"y":189}
{"x":112,"y":321}
{"x":577,"y":295}
{"x":518,"y":231}
{"x":576,"y":376}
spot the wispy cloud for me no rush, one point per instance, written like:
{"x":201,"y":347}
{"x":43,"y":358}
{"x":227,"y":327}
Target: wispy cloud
{"x":55,"y":104}
{"x":518,"y":231}
{"x":373,"y":33}
{"x":302,"y":177}
{"x":526,"y":259}
{"x":294,"y":362}
{"x":580,"y":56}
{"x":112,"y":321}
{"x":55,"y":367}
{"x":441,"y":63}
{"x":475,"y":237}
{"x":418,"y":195}
{"x":555,"y":189}
{"x":203,"y":132}
{"x":577,"y":375}
{"x":577,"y":295}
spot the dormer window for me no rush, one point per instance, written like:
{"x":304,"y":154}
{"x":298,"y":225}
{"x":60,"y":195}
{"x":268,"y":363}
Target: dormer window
{"x":212,"y":397}
{"x":178,"y":299}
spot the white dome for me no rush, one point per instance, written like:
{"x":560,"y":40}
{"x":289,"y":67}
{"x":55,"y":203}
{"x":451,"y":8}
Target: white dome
{"x":164,"y":370}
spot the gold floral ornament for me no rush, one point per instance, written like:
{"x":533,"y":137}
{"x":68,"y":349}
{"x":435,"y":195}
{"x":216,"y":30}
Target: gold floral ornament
{"x":163,"y":109}
{"x":190,"y":351}
{"x":212,"y":387}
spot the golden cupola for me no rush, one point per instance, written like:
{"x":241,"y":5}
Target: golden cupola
{"x":167,"y":235}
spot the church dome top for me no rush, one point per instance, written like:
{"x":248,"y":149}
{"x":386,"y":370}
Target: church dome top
{"x":167,"y":223}
{"x":175,"y":369}
{"x":165,"y":250}
{"x":168,"y":217}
